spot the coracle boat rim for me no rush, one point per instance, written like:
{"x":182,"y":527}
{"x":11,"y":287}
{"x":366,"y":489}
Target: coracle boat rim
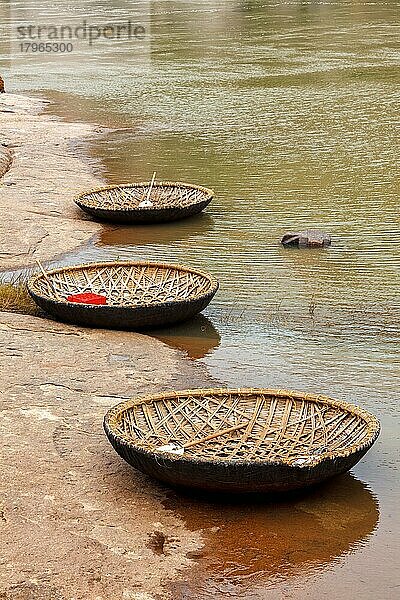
{"x":80,"y":199}
{"x":372,"y":432}
{"x":35,"y":278}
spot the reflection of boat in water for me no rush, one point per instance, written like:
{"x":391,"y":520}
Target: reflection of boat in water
{"x":161,"y":233}
{"x":249,"y":543}
{"x":198,"y":337}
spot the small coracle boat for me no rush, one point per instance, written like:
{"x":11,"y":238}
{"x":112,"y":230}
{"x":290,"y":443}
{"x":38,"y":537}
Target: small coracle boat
{"x":148,"y":202}
{"x":123,"y":295}
{"x":243,"y":440}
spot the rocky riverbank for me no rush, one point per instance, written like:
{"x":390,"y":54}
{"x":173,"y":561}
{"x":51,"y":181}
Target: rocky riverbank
{"x":39,"y":218}
{"x":76,"y":522}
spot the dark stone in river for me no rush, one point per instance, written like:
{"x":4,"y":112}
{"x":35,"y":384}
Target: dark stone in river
{"x":310,"y":238}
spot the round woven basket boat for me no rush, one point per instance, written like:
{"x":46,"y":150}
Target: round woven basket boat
{"x":139,"y":294}
{"x":243,"y":440}
{"x":145,"y":203}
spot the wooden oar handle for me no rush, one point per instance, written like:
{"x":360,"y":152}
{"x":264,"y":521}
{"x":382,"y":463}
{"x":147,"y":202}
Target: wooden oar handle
{"x":51,"y":284}
{"x":151,"y":186}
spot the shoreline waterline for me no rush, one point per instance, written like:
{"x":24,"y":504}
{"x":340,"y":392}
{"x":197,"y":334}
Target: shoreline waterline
{"x":78,"y":497}
{"x":355,"y":364}
{"x":36,"y":197}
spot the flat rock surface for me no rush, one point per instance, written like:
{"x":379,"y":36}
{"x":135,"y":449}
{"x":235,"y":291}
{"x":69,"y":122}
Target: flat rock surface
{"x":39,"y":218}
{"x":77,"y":522}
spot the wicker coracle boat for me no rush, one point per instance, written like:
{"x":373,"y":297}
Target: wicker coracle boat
{"x":146,"y":202}
{"x":136,"y":294}
{"x":243,"y":440}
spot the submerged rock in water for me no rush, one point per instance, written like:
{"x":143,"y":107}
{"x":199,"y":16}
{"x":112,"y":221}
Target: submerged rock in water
{"x":310,"y":238}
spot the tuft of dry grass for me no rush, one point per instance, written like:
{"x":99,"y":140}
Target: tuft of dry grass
{"x":14,"y":296}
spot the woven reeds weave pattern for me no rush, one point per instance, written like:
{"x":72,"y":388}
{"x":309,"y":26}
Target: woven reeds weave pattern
{"x":126,"y":283}
{"x":163,"y":195}
{"x":260,"y":425}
